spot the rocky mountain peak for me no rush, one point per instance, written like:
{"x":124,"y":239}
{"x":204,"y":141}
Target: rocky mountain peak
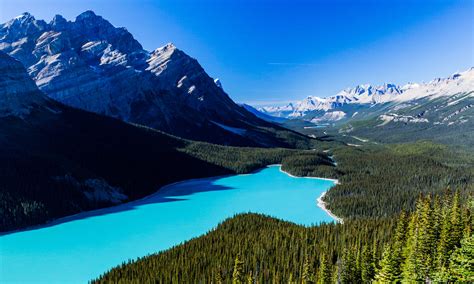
{"x":25,"y":16}
{"x":21,"y":26}
{"x":88,"y":15}
{"x":58,"y":22}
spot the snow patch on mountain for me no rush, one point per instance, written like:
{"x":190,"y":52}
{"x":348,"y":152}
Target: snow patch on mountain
{"x":159,"y":58}
{"x":218,"y":83}
{"x":330,"y":116}
{"x":393,"y":117}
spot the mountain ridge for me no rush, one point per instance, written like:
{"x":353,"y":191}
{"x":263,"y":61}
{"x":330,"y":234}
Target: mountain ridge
{"x":89,"y":64}
{"x":367,"y":94}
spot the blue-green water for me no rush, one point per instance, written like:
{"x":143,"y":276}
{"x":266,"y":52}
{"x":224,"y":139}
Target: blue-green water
{"x":81,"y":247}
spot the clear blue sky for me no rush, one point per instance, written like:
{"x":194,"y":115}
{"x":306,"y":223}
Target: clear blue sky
{"x":277,"y":51}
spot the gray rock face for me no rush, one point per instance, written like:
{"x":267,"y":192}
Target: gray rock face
{"x":91,"y":65}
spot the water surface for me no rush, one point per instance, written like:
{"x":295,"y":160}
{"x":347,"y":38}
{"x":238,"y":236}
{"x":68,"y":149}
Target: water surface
{"x":81,"y":247}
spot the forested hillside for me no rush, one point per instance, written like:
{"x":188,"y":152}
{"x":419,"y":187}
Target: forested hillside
{"x":433,"y":243}
{"x":381,"y":180}
{"x":55,"y":165}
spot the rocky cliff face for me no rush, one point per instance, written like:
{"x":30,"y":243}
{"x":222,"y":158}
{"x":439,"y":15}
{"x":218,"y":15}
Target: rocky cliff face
{"x":91,"y":65}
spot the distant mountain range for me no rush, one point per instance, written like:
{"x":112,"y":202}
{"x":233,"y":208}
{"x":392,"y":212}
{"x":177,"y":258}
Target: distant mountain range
{"x":441,"y":110}
{"x":368,"y":95}
{"x":91,"y":65}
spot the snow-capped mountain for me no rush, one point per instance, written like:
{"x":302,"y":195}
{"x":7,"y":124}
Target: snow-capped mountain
{"x":89,"y":64}
{"x":364,"y":96}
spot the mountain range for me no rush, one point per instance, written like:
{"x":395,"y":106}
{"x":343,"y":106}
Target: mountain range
{"x":441,"y":110}
{"x":91,"y":65}
{"x":368,"y":95}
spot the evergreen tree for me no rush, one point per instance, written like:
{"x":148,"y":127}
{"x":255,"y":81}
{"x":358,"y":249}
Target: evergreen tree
{"x":461,"y":265}
{"x":389,"y":267}
{"x":325,"y":270}
{"x":427,"y":239}
{"x":411,"y":250}
{"x":306,"y":275}
{"x":367,"y":265}
{"x":349,"y":273}
{"x":399,"y":243}
{"x":444,"y":244}
{"x":467,"y":222}
{"x":456,"y":222}
{"x":237,"y":274}
{"x":453,"y":226}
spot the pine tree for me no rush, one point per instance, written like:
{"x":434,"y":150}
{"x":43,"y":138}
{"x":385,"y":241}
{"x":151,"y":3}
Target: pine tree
{"x":367,"y":265}
{"x":452,"y":229}
{"x":427,"y":239}
{"x":306,"y":275}
{"x":461,"y":265}
{"x":400,"y":240}
{"x":237,"y":274}
{"x":456,"y":222}
{"x":389,"y":267}
{"x":411,"y":266}
{"x":325,"y":270}
{"x":349,"y":273}
{"x":467,"y":222}
{"x":444,"y":244}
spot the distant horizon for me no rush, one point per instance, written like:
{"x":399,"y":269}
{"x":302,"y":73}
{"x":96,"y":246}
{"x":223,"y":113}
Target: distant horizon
{"x":275,"y":54}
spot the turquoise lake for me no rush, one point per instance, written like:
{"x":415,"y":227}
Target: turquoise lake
{"x":81,"y":247}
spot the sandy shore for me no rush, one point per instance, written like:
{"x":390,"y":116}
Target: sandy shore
{"x":322,"y":205}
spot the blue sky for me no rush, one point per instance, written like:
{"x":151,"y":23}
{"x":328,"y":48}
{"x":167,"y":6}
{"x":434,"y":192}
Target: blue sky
{"x":268,"y":52}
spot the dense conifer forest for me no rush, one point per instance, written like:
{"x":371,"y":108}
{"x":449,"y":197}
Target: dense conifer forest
{"x":433,"y":243}
{"x":389,"y":234}
{"x":379,"y":181}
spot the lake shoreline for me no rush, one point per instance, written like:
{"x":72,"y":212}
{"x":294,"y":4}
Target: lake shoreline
{"x":319,"y":202}
{"x":322,"y":205}
{"x":161,"y":190}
